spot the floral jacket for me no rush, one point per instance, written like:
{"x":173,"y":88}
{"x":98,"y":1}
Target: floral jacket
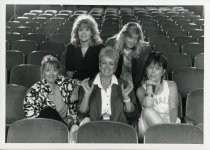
{"x":37,"y":98}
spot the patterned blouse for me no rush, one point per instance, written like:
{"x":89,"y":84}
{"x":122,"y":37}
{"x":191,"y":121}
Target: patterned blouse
{"x":37,"y":98}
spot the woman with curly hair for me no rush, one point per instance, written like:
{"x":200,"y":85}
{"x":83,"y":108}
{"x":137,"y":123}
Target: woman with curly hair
{"x":83,"y":49}
{"x":129,"y":42}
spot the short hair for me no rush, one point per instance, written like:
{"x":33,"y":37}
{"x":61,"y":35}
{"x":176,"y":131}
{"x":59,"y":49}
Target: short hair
{"x":91,"y":24}
{"x":51,"y":60}
{"x":109,"y":52}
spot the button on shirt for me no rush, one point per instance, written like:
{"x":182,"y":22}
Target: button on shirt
{"x":105,"y":94}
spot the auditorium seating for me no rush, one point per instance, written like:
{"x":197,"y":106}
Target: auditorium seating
{"x":173,"y":134}
{"x":194,"y":107}
{"x":13,"y":36}
{"x":192,"y":49}
{"x":199,"y":61}
{"x":106,"y":132}
{"x":14,"y":102}
{"x":38,"y":130}
{"x":25,"y":74}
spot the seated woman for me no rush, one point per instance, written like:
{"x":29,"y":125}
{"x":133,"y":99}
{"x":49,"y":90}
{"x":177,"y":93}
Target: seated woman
{"x":129,"y":42}
{"x":106,"y":97}
{"x":51,"y":97}
{"x":158,"y":97}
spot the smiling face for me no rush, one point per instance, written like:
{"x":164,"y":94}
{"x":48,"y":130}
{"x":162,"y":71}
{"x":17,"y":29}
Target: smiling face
{"x":84,"y":33}
{"x":131,"y":41}
{"x":155,"y":72}
{"x":50,"y":73}
{"x":107,"y":66}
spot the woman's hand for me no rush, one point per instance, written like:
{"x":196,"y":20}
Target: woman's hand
{"x":149,"y":85}
{"x":126,"y":91}
{"x":88,"y":90}
{"x":74,"y":94}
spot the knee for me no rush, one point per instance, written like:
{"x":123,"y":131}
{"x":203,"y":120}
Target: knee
{"x":74,"y":128}
{"x":147,"y":111}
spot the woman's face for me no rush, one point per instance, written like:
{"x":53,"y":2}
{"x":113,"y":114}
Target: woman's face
{"x":132,"y":41}
{"x":107,"y":66}
{"x":50,"y":73}
{"x":155,"y":72}
{"x":84,"y":33}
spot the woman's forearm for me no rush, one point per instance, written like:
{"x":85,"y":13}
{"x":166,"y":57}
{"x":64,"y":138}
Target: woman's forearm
{"x":84,"y":106}
{"x":173,"y":115}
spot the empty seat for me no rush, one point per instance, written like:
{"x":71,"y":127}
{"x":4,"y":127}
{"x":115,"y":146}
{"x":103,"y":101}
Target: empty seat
{"x":13,"y":24}
{"x":32,"y":25}
{"x":57,"y":20}
{"x":14,"y":102}
{"x":13,"y":57}
{"x":7,"y":45}
{"x":13,"y":36}
{"x":56,"y":47}
{"x":196,"y":33}
{"x":188,"y":79}
{"x":30,"y":15}
{"x":45,"y":30}
{"x":200,"y":39}
{"x":40,"y":20}
{"x":159,"y":39}
{"x":46,"y":15}
{"x":194,"y":107}
{"x":22,"y":19}
{"x":23,"y":30}
{"x":64,"y":38}
{"x":180,"y":40}
{"x":174,"y":32}
{"x":192,"y":49}
{"x":36,"y":57}
{"x":178,"y":60}
{"x":106,"y":132}
{"x":174,"y":134}
{"x":25,"y":46}
{"x":37,"y":37}
{"x":166,"y":47}
{"x":199,"y":61}
{"x":38,"y":130}
{"x":25,"y":74}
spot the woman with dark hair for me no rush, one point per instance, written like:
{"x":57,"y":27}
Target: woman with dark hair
{"x":82,"y":52}
{"x":158,"y":97}
{"x":129,"y":42}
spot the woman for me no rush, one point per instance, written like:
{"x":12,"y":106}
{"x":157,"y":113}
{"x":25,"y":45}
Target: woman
{"x":129,"y":42}
{"x":82,"y":52}
{"x":158,"y":97}
{"x":51,"y":97}
{"x":106,"y":97}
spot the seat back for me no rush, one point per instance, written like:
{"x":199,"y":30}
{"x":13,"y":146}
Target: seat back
{"x":194,"y":106}
{"x":192,"y":49}
{"x":188,"y":79}
{"x":36,"y":57}
{"x":199,"y":61}
{"x":38,"y":130}
{"x":13,"y":57}
{"x":106,"y":132}
{"x":25,"y":74}
{"x":14,"y":102}
{"x":174,"y":133}
{"x":25,"y":46}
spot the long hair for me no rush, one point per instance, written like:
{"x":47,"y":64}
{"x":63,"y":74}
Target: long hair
{"x":90,"y":22}
{"x":127,"y":31}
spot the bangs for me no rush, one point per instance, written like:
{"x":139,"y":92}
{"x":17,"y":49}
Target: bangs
{"x":85,"y":24}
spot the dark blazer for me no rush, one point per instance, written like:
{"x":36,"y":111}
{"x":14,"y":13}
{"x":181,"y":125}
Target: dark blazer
{"x":117,"y":104}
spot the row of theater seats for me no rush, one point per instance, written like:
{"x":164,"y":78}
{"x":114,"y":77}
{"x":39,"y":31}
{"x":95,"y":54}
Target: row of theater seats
{"x":41,"y":130}
{"x":193,"y":109}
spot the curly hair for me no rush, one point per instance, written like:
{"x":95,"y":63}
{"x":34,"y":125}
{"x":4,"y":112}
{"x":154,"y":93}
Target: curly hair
{"x":127,"y":31}
{"x":90,"y":23}
{"x":51,"y":60}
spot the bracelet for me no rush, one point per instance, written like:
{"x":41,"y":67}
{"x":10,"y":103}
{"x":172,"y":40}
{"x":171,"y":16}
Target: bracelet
{"x":149,"y":94}
{"x":126,"y":100}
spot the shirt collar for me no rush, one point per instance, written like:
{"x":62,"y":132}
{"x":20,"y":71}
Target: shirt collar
{"x":97,"y":80}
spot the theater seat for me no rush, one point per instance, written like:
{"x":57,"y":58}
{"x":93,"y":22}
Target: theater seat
{"x":188,"y":79}
{"x":106,"y":132}
{"x":173,"y":134}
{"x":25,"y":74}
{"x":194,"y":107}
{"x":38,"y":130}
{"x":199,"y":61}
{"x":14,"y":102}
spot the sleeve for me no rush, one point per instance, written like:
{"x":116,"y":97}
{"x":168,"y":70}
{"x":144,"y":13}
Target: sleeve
{"x":69,"y":57}
{"x":31,"y":103}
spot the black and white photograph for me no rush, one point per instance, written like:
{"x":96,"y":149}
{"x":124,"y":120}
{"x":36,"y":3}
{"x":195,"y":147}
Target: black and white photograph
{"x":104,"y":75}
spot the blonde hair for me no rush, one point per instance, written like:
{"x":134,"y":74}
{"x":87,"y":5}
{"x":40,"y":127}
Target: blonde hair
{"x":127,"y":31}
{"x":90,"y":22}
